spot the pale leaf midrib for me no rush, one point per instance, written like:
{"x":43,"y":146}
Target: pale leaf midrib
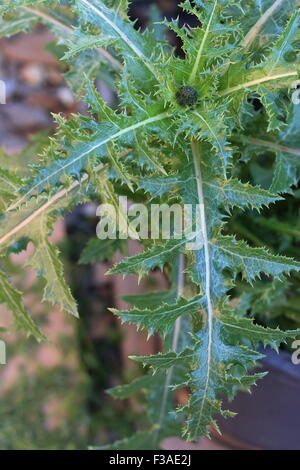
{"x":71,"y":161}
{"x":62,"y":193}
{"x":272,"y":145}
{"x":165,"y":312}
{"x":122,"y":35}
{"x":214,"y":136}
{"x":175,"y":247}
{"x":175,"y":340}
{"x":252,"y":257}
{"x":254,"y":31}
{"x":252,"y":83}
{"x":9,"y":183}
{"x":248,"y":330}
{"x":275,"y":63}
{"x":201,"y":48}
{"x":209,"y":326}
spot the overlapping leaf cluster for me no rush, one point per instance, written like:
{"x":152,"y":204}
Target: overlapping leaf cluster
{"x":151,"y":148}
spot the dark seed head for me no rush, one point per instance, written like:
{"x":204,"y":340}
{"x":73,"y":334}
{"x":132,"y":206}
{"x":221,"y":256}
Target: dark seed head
{"x":187,"y":96}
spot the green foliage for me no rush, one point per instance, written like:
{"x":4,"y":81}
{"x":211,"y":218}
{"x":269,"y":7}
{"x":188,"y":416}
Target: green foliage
{"x":13,"y":300}
{"x":162,"y":318}
{"x":155,"y":147}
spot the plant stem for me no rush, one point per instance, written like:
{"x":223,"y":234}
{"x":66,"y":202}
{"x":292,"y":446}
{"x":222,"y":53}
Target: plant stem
{"x":251,"y":35}
{"x":272,"y":145}
{"x":199,"y":55}
{"x":268,"y":78}
{"x":40,"y":210}
{"x":96,"y":146}
{"x":175,"y":340}
{"x":209,"y":326}
{"x":180,"y":290}
{"x":213,"y":133}
{"x":121,"y":33}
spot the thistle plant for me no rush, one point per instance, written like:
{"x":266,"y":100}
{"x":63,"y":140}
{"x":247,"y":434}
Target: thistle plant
{"x":184,"y":131}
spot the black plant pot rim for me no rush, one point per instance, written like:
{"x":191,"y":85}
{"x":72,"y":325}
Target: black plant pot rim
{"x":269,"y":417}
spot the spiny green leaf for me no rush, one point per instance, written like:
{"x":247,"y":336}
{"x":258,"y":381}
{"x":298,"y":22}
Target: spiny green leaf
{"x":81,"y":155}
{"x":151,"y":299}
{"x":126,"y":391}
{"x":216,"y":355}
{"x":14,"y":301}
{"x":161,"y":318}
{"x":99,"y":250}
{"x":239,"y":257}
{"x":166,"y":360}
{"x":139,"y":440}
{"x":156,"y":256}
{"x":22,"y":21}
{"x":8,"y":6}
{"x":45,"y":260}
{"x":134,"y":46}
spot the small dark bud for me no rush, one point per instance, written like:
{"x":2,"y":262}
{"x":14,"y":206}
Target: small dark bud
{"x":187,"y":96}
